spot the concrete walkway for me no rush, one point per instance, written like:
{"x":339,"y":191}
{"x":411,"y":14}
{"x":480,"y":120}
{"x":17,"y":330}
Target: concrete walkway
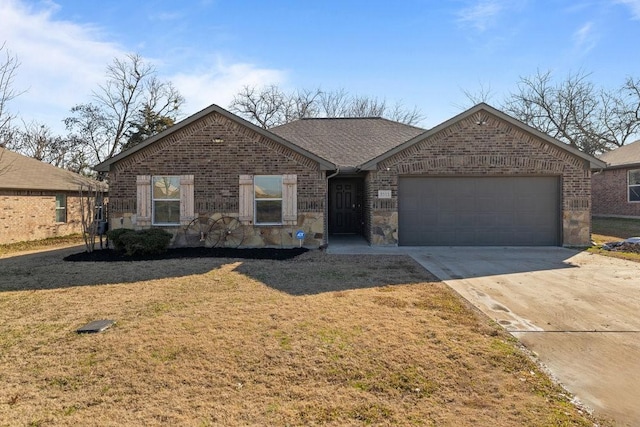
{"x":580,"y":313}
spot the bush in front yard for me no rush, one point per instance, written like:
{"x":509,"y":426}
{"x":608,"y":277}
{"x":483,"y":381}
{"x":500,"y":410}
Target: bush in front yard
{"x":115,"y":237}
{"x":143,"y":242}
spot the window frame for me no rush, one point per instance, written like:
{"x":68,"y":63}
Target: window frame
{"x":154,"y":200}
{"x":630,"y":185}
{"x":61,"y":208}
{"x":272,"y":199}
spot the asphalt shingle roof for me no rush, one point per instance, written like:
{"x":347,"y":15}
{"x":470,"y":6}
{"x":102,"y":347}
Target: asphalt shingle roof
{"x":627,"y":154}
{"x":18,"y":172}
{"x":347,"y":142}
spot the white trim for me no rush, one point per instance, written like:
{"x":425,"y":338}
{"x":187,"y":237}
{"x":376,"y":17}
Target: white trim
{"x":153,"y":202}
{"x":271,"y":199}
{"x":629,"y":185}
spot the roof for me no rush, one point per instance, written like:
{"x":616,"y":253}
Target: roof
{"x":106,"y":165}
{"x":18,"y":172}
{"x":595,"y":163}
{"x":347,"y":142}
{"x":627,"y":155}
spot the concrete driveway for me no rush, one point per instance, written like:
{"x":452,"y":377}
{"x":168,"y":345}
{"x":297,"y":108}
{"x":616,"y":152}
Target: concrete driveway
{"x":580,"y":313}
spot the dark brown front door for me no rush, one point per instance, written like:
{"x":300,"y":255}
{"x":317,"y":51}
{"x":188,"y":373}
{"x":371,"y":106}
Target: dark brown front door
{"x":345,"y":206}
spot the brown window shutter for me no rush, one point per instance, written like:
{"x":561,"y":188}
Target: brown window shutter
{"x":245,"y":205}
{"x":143,"y":200}
{"x":289,"y":199}
{"x":187,"y":208}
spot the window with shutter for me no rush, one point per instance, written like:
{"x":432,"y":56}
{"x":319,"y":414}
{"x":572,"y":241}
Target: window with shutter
{"x":164,"y":200}
{"x":268,"y":199}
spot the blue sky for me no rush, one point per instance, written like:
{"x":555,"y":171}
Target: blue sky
{"x":422,"y":53}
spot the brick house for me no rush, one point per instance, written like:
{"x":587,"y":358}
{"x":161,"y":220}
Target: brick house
{"x":37,"y":200}
{"x":480,"y":178}
{"x":616,"y":187}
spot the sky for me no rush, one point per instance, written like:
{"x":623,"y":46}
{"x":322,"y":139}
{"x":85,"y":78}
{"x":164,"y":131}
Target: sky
{"x":421,"y":53}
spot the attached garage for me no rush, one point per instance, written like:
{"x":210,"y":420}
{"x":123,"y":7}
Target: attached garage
{"x":479,"y":211}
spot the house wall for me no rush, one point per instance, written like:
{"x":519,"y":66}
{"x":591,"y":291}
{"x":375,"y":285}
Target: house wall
{"x":494,"y":148}
{"x":30,"y":215}
{"x":610,"y":194}
{"x":216,"y":167}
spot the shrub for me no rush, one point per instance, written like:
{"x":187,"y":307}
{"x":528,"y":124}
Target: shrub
{"x":144,"y":242}
{"x":115,"y":237}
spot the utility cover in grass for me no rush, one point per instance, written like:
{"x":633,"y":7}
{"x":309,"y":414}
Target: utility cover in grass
{"x":95,"y":326}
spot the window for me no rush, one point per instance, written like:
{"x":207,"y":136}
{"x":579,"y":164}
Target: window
{"x":267,"y":190}
{"x":634,"y":185}
{"x":268,"y":200}
{"x":166,"y":200}
{"x":61,"y":208}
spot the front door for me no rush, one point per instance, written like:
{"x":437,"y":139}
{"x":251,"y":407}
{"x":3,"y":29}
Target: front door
{"x":345,"y":206}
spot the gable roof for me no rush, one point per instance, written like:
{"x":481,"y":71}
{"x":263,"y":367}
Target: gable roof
{"x":371,"y":164}
{"x":106,"y":165}
{"x":347,"y":142}
{"x":627,"y":155}
{"x":18,"y":172}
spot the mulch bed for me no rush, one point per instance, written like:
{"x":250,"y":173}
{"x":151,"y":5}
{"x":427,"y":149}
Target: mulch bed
{"x":109,"y":255}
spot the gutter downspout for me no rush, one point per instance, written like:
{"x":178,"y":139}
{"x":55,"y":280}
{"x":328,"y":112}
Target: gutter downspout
{"x":325,"y":238}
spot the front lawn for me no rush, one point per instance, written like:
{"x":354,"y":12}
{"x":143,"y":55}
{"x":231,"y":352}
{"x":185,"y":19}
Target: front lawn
{"x":317,"y":340}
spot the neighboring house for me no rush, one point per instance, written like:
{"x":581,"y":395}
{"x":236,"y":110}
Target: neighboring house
{"x":480,"y":178}
{"x":616,"y":188}
{"x":37,"y":200}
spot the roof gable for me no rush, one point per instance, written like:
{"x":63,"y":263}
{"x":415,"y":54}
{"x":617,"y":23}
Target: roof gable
{"x":482,"y":107}
{"x":347,"y":142}
{"x":107,"y":164}
{"x":627,"y":155}
{"x":18,"y":172}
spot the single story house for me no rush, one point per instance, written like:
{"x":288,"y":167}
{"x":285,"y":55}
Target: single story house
{"x":616,"y":187}
{"x":38,"y":200}
{"x":480,"y":178}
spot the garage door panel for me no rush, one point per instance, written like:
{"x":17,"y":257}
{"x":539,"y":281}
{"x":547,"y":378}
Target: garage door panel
{"x":464,"y":211}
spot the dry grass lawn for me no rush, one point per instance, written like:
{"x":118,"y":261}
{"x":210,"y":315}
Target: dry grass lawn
{"x":612,"y":230}
{"x":318,"y":340}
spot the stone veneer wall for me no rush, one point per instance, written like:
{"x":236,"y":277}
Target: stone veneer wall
{"x":610,"y":194}
{"x":216,"y":167}
{"x":31,"y":215}
{"x":493,"y":148}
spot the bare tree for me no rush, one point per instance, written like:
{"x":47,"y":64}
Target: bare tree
{"x":8,"y":68}
{"x":483,"y":94}
{"x":130,"y":87}
{"x":270,"y":106}
{"x":91,"y":213}
{"x":576,"y":112}
{"x":36,"y":140}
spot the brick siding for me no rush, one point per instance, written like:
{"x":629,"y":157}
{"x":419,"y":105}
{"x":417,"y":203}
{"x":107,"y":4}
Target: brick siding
{"x":30,"y":215}
{"x":217,"y":151}
{"x":610,"y":194}
{"x":494,"y":148}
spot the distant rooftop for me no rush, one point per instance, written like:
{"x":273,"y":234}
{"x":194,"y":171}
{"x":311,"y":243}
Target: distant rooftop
{"x":18,"y":172}
{"x":626,"y":155}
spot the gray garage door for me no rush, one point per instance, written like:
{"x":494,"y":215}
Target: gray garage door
{"x":486,"y":211}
